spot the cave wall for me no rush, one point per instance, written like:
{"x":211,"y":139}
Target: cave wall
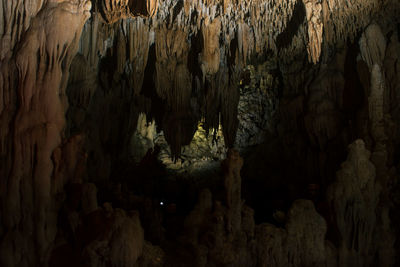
{"x":38,"y":161}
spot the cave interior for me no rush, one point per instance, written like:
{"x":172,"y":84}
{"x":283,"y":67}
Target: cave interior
{"x":146,"y":133}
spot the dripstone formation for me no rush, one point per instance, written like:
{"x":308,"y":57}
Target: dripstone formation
{"x":199,"y":133}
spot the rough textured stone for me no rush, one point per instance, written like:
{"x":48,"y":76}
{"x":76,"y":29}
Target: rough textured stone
{"x":181,"y":63}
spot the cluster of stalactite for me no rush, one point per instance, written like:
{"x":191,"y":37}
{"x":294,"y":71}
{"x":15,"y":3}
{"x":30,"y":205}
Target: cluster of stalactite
{"x":198,"y":50}
{"x":181,"y":64}
{"x":114,"y":10}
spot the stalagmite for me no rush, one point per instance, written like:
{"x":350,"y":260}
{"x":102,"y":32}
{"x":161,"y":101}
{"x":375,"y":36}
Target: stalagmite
{"x":301,"y":243}
{"x":373,"y":51}
{"x":121,"y":244}
{"x":375,"y":100}
{"x":233,"y":183}
{"x":354,"y":196}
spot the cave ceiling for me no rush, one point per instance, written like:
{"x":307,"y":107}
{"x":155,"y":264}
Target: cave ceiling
{"x":191,"y":54}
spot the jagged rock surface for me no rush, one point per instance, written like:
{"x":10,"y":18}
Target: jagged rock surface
{"x":114,"y":10}
{"x":257,"y":108}
{"x":36,"y":55}
{"x":181,"y":62}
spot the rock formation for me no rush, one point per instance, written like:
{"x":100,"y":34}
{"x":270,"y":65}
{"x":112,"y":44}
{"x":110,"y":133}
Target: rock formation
{"x":107,"y":107}
{"x":354,"y":196}
{"x":301,"y":243}
{"x":315,"y":29}
{"x":233,"y":184}
{"x":38,"y":71}
{"x":114,"y":10}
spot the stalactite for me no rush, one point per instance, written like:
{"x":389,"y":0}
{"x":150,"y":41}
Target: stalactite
{"x":323,"y":119}
{"x":180,"y":65}
{"x":315,"y":29}
{"x":372,"y":45}
{"x":82,"y":82}
{"x":172,"y":75}
{"x":114,"y":10}
{"x":210,"y":56}
{"x":232,"y":33}
{"x":139,"y":44}
{"x":28,"y":203}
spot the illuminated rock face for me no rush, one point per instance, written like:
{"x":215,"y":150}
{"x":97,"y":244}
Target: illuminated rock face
{"x":315,"y":29}
{"x":211,"y":54}
{"x":41,"y":159}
